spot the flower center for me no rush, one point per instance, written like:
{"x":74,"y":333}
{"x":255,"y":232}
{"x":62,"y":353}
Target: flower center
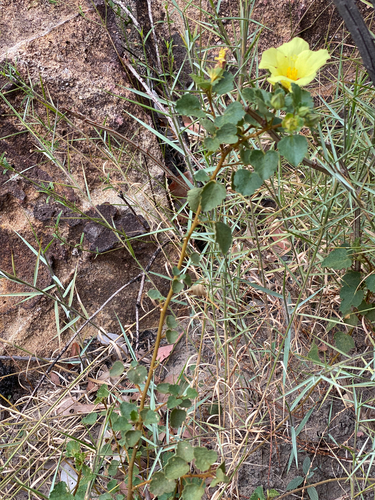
{"x":292,"y":73}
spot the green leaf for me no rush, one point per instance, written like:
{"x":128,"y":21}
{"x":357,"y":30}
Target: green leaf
{"x":293,"y":148}
{"x":313,"y":353}
{"x":137,"y":375}
{"x":306,"y":465}
{"x":127,"y":409}
{"x":344,"y":342}
{"x":191,"y":393}
{"x":233,"y":114}
{"x":174,"y":389}
{"x":296,"y":95}
{"x":223,"y":236}
{"x":132,"y":438}
{"x":245,"y":182}
{"x":102,"y":393}
{"x":313,"y":494}
{"x":195,"y":258}
{"x":370,"y":283}
{"x":149,"y":417}
{"x":185,"y":451}
{"x":160,"y":484}
{"x":163,"y":388}
{"x":338,"y":259}
{"x":201,"y":176}
{"x":213,"y":194}
{"x":201,"y":82}
{"x":186,"y":403}
{"x":189,"y":105}
{"x":60,"y":492}
{"x":172,"y":336}
{"x":258,"y":494}
{"x":155,"y":294}
{"x":171,"y":322}
{"x":272,"y":493}
{"x":194,"y":198}
{"x":294,"y":483}
{"x":90,"y":419}
{"x":211,"y":144}
{"x":176,"y":467}
{"x":105,"y":496}
{"x":265,"y":165}
{"x":187,"y":279}
{"x":72,"y":448}
{"x":122,"y":424}
{"x":177,"y":286}
{"x":224,"y":84}
{"x":117,"y":369}
{"x":177,"y":418}
{"x":173,"y":402}
{"x":112,"y":469}
{"x":350,"y":295}
{"x":204,"y":458}
{"x":227,"y":134}
{"x":192,"y":492}
{"x":209,"y":126}
{"x":176,"y":271}
{"x":220,"y":478}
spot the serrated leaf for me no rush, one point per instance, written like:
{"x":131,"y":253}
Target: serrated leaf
{"x":149,"y":417}
{"x":186,"y":403}
{"x":245,"y":182}
{"x":338,"y":259}
{"x":127,"y":409}
{"x":177,"y":418}
{"x":223,"y":236}
{"x":213,"y":194}
{"x":160,"y":484}
{"x":122,"y":424}
{"x":72,"y":448}
{"x":370,"y":283}
{"x":258,"y":494}
{"x":163,"y":388}
{"x":272,"y":493}
{"x":313,"y":353}
{"x":265,"y":164}
{"x":187,"y":279}
{"x":112,"y":469}
{"x":185,"y":451}
{"x":132,"y":438}
{"x":155,"y":294}
{"x":344,"y":342}
{"x":296,"y":94}
{"x":220,"y":478}
{"x":194,"y":198}
{"x":137,"y":375}
{"x":201,"y":176}
{"x":195,"y":258}
{"x":293,"y":148}
{"x":172,"y":336}
{"x":102,"y":393}
{"x":174,"y":389}
{"x":176,"y":467}
{"x":224,"y":84}
{"x":189,"y":105}
{"x":211,"y":144}
{"x":60,"y":492}
{"x":204,"y":458}
{"x":233,"y":114}
{"x":313,"y":494}
{"x":192,"y":492}
{"x":90,"y":419}
{"x":226,"y":134}
{"x":191,"y":393}
{"x":173,"y":401}
{"x":350,"y":295}
{"x":177,"y":286}
{"x":176,"y":271}
{"x":294,"y":483}
{"x":117,"y":369}
{"x":249,"y":94}
{"x":201,"y":82}
{"x":209,"y":126}
{"x":306,"y":465}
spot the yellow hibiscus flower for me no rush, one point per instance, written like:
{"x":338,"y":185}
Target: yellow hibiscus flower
{"x":293,"y":62}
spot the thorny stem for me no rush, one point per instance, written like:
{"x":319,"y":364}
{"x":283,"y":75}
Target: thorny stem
{"x":163,"y":313}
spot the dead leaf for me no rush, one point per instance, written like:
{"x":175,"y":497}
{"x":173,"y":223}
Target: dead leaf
{"x":55,"y":379}
{"x":70,"y":406}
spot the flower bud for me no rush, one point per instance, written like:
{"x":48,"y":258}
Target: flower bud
{"x":277,"y":101}
{"x":303,"y":111}
{"x":292,"y":123}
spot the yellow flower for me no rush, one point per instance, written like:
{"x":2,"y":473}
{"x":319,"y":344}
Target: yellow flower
{"x":222,"y":59}
{"x":293,"y":62}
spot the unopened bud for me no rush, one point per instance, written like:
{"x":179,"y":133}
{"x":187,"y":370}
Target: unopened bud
{"x":292,"y":123}
{"x":277,"y":101}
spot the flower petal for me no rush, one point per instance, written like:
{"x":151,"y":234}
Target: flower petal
{"x":309,"y":62}
{"x":294,"y":47}
{"x":269,"y":59}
